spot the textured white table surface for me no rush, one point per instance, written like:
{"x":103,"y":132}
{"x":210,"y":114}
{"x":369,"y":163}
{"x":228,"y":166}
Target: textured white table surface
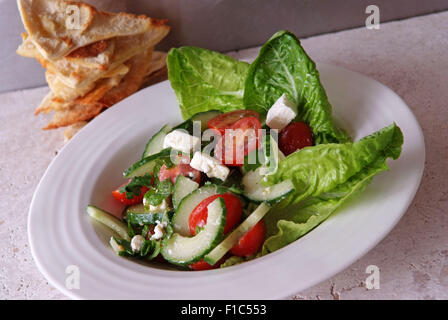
{"x":409,"y":56}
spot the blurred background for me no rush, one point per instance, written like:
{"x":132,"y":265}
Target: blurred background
{"x":223,"y":25}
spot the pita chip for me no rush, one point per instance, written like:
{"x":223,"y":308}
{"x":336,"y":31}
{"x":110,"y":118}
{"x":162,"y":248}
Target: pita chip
{"x":58,"y":27}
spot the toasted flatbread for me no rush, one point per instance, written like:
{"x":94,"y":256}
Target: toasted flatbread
{"x":66,"y":93}
{"x":77,"y":113}
{"x":100,"y":61}
{"x":132,"y":81}
{"x":155,"y":77}
{"x":85,"y":108}
{"x":58,"y":27}
{"x":74,"y":74}
{"x":157,"y":71}
{"x":72,"y":130}
{"x":158,"y":61}
{"x":53,"y":103}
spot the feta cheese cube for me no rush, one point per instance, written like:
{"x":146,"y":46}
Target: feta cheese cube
{"x":137,"y":243}
{"x":159,"y":230}
{"x":210,"y":166}
{"x":179,"y":140}
{"x":281,"y":113}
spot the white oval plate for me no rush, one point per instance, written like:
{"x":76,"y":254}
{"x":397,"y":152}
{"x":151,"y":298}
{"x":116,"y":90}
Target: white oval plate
{"x":90,"y":166}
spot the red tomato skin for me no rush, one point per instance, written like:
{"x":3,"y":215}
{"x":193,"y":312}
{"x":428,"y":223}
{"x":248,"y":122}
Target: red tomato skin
{"x":198,"y":217}
{"x":251,"y":242}
{"x":233,"y":155}
{"x":180,"y":169}
{"x":226,"y":120}
{"x":295,"y":136}
{"x":202,"y":265}
{"x":122,"y":196}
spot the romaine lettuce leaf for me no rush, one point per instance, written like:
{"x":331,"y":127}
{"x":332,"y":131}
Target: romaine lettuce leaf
{"x":206,"y":80}
{"x":333,"y":177}
{"x":292,"y":222}
{"x":319,"y":169}
{"x":282,"y":66}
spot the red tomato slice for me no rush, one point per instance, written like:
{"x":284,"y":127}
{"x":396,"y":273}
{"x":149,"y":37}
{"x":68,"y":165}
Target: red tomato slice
{"x":198,"y":218}
{"x":122,"y":196}
{"x":226,"y":120}
{"x":239,"y":140}
{"x":181,"y":169}
{"x":295,"y":136}
{"x":251,"y":242}
{"x":202,"y":265}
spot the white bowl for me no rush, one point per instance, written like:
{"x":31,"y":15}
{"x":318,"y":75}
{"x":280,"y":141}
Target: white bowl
{"x":90,"y":166}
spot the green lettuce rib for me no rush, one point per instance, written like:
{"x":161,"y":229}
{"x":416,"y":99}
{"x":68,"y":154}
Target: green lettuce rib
{"x":206,"y":80}
{"x":282,"y":66}
{"x":337,"y":173}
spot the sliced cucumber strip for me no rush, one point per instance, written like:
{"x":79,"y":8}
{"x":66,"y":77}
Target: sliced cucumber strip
{"x":138,"y":215}
{"x":221,"y":249}
{"x":256,"y":192}
{"x":186,"y":206}
{"x":182,"y":250}
{"x":115,"y":246}
{"x":108,"y":220}
{"x":155,"y":144}
{"x":204,"y":117}
{"x":146,"y":165}
{"x":183,"y":187}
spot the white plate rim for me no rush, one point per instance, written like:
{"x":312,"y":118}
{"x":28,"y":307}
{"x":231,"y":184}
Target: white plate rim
{"x":282,"y":292}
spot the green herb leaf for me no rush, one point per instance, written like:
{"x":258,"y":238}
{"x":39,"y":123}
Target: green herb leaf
{"x":153,"y":198}
{"x":132,"y":189}
{"x":165,"y":188}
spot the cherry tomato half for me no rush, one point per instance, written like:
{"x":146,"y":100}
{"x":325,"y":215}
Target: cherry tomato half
{"x":295,"y":136}
{"x":198,"y":217}
{"x":226,"y":120}
{"x":180,"y":169}
{"x":251,"y":242}
{"x":121,"y":196}
{"x":243,"y":138}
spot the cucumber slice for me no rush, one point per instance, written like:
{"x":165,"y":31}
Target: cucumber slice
{"x":256,"y":192}
{"x":221,"y":249}
{"x":138,"y":215}
{"x":184,"y":250}
{"x":186,"y":206}
{"x":155,"y":144}
{"x":146,"y":165}
{"x":204,"y":117}
{"x":118,"y":249}
{"x":183,"y":187}
{"x":108,"y":220}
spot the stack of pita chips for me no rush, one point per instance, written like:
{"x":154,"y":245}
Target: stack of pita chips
{"x":93,"y":63}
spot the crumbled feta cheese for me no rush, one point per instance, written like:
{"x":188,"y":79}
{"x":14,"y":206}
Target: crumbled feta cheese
{"x":162,"y":207}
{"x":266,"y":191}
{"x":281,"y":113}
{"x":159,"y":230}
{"x":209,"y":165}
{"x":137,"y":243}
{"x":179,"y":140}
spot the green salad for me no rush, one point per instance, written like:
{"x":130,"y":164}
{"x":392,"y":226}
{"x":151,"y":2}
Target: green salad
{"x":257,"y":163}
